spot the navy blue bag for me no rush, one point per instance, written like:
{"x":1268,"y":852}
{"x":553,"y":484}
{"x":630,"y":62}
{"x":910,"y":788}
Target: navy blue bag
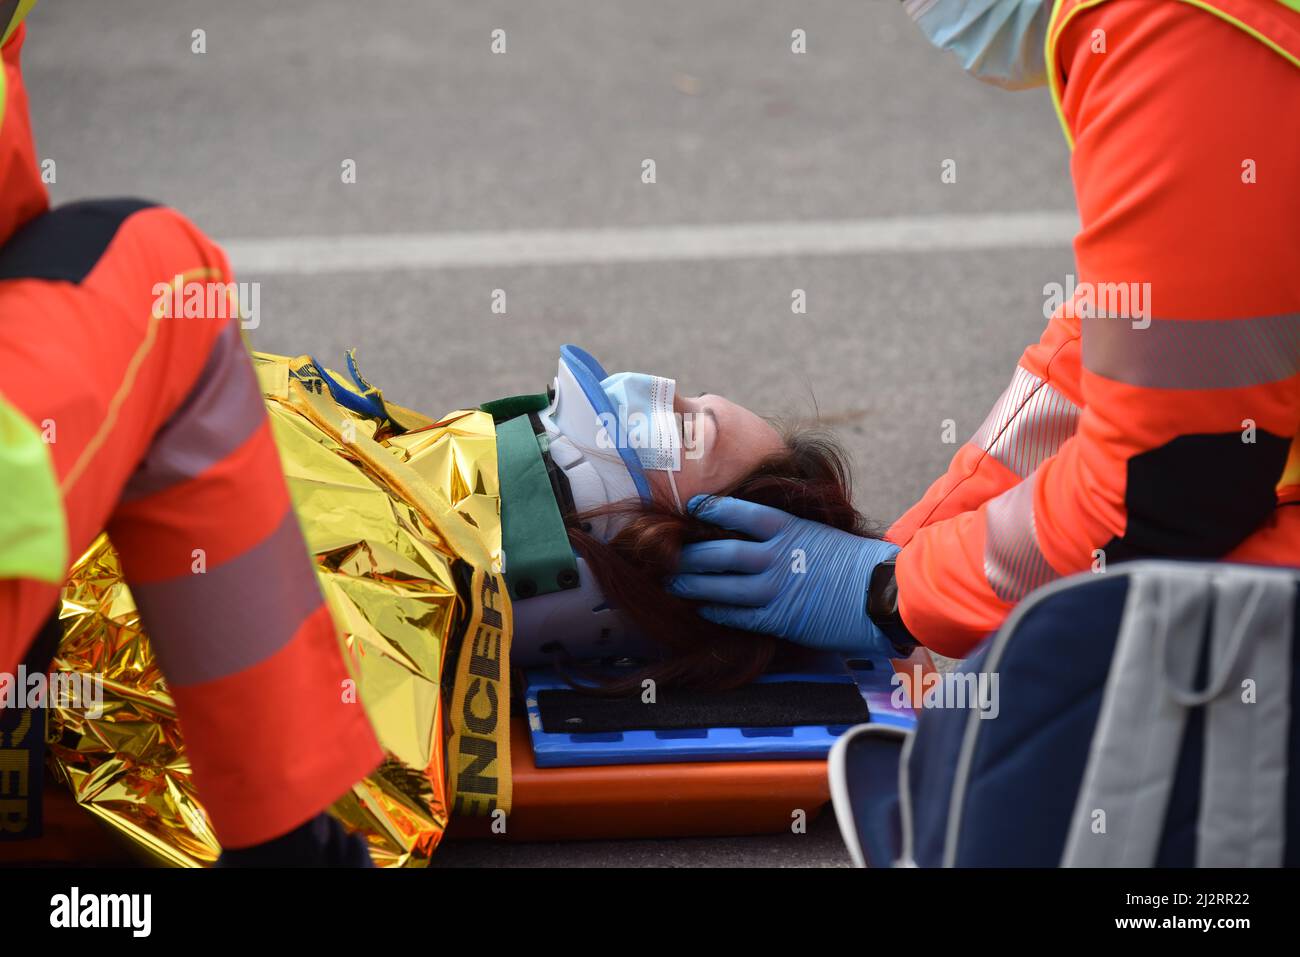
{"x":1138,"y":717}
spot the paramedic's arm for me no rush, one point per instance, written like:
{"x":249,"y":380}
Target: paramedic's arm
{"x":1185,"y":187}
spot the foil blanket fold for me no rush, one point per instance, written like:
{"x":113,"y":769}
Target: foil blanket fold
{"x":392,"y":516}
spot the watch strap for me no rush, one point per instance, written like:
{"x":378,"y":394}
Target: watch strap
{"x":882,"y":608}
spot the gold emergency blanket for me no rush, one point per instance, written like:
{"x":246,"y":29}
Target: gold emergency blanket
{"x":405,"y":530}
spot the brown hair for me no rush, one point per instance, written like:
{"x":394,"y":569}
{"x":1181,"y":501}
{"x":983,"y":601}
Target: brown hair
{"x":810,"y":479}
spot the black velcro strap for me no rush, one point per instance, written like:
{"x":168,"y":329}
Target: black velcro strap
{"x":767,"y":704}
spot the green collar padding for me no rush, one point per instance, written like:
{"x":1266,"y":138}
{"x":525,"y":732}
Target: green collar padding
{"x":538,"y":557}
{"x":514,"y":405}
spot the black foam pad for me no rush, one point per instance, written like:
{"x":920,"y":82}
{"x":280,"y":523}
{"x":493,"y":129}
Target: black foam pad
{"x":768,"y":704}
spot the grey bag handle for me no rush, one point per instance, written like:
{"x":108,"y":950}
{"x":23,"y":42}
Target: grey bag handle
{"x":1119,"y":816}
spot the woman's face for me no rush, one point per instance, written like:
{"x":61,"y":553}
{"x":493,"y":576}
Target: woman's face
{"x":722,"y":442}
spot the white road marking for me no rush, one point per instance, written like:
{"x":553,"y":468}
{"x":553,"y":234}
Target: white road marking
{"x":555,"y":247}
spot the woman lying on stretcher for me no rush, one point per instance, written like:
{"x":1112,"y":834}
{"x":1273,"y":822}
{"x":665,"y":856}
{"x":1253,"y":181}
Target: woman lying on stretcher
{"x":568,"y":501}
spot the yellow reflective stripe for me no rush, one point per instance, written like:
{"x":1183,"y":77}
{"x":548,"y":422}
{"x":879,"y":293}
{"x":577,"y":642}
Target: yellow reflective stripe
{"x":1055,"y":29}
{"x":33,"y":528}
{"x":1293,"y":4}
{"x":19,"y":12}
{"x":23,"y":8}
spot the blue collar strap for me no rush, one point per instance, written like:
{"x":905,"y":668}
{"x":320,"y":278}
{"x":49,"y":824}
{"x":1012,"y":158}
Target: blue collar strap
{"x":589,"y":374}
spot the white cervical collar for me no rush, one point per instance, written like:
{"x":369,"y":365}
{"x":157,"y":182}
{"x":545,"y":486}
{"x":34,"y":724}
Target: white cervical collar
{"x":581,"y":448}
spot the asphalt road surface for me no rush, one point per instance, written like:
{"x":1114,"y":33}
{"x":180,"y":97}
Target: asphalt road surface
{"x":774,"y":171}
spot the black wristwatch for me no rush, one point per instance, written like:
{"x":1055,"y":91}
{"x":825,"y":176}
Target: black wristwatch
{"x":882,"y":608}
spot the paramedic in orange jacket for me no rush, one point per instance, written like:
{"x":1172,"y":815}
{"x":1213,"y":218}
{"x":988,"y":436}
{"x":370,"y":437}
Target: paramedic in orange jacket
{"x":1158,"y":413}
{"x":152,"y":426}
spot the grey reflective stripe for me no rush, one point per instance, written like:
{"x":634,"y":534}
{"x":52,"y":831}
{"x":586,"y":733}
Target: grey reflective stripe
{"x":1028,"y":424}
{"x":1119,"y":814}
{"x":223,"y":409}
{"x":906,"y":819}
{"x":1193,"y":353}
{"x":235,"y":615}
{"x":1243,"y":778}
{"x":1013,"y":563}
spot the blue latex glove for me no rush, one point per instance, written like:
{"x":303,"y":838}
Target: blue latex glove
{"x":800,"y":580}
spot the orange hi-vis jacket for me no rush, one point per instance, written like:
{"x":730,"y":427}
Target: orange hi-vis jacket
{"x":157,"y":431}
{"x":1158,"y":413}
{"x":22,"y":193}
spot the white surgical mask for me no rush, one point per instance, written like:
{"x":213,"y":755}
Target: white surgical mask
{"x":997,"y":41}
{"x":646,"y":422}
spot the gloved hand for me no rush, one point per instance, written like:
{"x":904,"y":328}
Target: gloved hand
{"x":799,"y":580}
